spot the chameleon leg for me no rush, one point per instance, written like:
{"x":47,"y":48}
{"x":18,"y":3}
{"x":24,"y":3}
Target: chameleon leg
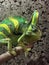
{"x":26,"y":50}
{"x":11,"y":51}
{"x":8,"y":41}
{"x":22,"y":44}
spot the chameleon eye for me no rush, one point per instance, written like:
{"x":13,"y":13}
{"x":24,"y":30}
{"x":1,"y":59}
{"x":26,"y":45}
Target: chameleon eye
{"x":34,"y":28}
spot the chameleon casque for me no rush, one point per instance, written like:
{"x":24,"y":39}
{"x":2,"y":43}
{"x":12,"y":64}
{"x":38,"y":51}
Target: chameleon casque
{"x":18,"y":31}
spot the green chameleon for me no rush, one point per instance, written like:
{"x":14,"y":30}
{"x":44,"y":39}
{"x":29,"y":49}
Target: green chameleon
{"x":18,"y":31}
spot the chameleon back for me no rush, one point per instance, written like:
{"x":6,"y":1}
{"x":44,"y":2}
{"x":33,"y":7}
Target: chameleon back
{"x":11,"y":26}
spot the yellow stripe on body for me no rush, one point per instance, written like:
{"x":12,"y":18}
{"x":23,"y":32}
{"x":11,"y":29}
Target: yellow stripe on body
{"x":6,"y":27}
{"x":1,"y":33}
{"x":15,"y":22}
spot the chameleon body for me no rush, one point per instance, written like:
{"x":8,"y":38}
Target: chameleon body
{"x":18,"y":31}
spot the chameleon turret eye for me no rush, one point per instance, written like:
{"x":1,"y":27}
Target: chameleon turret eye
{"x":34,"y":29}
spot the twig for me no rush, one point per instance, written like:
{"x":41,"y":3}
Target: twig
{"x":7,"y":56}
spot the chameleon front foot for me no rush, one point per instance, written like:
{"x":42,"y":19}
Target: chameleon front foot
{"x":27,"y":52}
{"x":13,"y":52}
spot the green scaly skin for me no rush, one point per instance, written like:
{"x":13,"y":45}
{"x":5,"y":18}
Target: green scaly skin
{"x":17,"y":31}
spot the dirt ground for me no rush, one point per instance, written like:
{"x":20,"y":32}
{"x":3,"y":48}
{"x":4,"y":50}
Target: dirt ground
{"x":39,"y":55}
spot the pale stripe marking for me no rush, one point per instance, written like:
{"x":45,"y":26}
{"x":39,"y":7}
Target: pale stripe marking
{"x":6,"y":27}
{"x":15,"y":22}
{"x":3,"y":34}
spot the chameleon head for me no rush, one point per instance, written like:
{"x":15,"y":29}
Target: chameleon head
{"x":33,"y":32}
{"x":33,"y":36}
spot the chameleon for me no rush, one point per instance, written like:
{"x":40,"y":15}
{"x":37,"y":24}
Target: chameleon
{"x":17,"y":31}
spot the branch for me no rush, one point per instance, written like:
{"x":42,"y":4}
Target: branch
{"x":7,"y":56}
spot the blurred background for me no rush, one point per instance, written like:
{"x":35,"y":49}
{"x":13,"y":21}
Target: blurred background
{"x":39,"y":55}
